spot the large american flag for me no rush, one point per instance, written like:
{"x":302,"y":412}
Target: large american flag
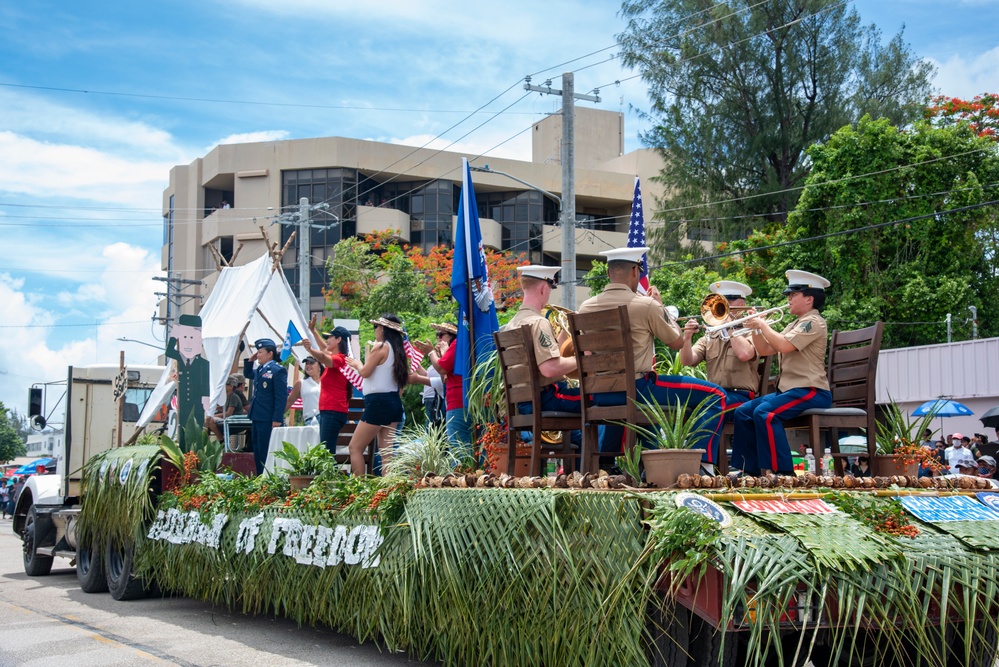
{"x":636,"y":236}
{"x":415,"y":358}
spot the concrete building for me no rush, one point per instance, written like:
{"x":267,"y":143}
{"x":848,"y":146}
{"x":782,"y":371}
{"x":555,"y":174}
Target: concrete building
{"x":49,"y":443}
{"x":219,"y":201}
{"x":963,"y":371}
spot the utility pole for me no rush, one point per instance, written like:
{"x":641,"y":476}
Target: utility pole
{"x":974,"y":322}
{"x":304,"y":260}
{"x":948,"y":327}
{"x":568,"y":155}
{"x":175,"y":297}
{"x":302,"y":220}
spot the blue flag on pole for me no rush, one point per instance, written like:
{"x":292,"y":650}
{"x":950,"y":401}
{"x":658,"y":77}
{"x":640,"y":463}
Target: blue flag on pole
{"x":470,"y":285}
{"x":290,"y":339}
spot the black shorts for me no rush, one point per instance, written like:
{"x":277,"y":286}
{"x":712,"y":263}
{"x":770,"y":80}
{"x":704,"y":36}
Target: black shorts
{"x":382,"y":409}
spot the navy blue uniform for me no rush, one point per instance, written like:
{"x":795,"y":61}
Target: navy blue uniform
{"x":270,"y":393}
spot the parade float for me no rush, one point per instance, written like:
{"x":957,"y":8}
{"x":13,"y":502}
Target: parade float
{"x":478,"y":568}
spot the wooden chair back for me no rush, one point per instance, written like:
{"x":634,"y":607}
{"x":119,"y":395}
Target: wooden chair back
{"x":605,"y":363}
{"x":522,"y":383}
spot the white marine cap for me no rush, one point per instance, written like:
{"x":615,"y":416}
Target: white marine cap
{"x":546,"y":273}
{"x":625,"y":254}
{"x":731,"y":289}
{"x":802,"y":280}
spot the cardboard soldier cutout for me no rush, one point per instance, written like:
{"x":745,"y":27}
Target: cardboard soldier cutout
{"x":192,"y":375}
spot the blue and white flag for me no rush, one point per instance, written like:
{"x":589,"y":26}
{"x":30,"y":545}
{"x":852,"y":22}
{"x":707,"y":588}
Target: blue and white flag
{"x":470,"y":285}
{"x":290,"y":339}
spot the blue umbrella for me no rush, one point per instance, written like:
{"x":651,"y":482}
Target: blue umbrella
{"x":31,"y":468}
{"x":942,"y":407}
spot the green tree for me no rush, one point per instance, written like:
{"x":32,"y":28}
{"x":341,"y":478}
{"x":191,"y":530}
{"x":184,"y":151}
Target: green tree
{"x":739,"y":90}
{"x":11,"y":444}
{"x":910,"y":274}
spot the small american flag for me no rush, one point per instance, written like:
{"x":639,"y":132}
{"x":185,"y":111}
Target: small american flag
{"x":636,"y":236}
{"x":353,"y":377}
{"x":415,"y":356}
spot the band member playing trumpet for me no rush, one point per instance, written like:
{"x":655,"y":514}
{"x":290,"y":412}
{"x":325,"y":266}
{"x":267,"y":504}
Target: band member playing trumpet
{"x":648,"y":322}
{"x":538,"y":283}
{"x":760,"y":443}
{"x":731,"y":361}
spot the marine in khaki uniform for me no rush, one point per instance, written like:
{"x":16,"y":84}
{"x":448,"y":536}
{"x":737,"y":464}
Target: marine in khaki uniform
{"x":537,"y":282}
{"x":760,"y":442}
{"x":648,"y":322}
{"x":731,"y":362}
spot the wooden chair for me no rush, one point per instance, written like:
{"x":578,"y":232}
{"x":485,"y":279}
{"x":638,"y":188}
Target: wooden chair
{"x":606,"y":364}
{"x":522,"y":382}
{"x":728,"y":431}
{"x":852,"y":368}
{"x":355,"y":407}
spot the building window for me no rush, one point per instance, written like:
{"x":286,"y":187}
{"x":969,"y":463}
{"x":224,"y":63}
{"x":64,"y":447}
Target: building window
{"x":431,"y":210}
{"x":336,"y":187}
{"x":521,"y":216}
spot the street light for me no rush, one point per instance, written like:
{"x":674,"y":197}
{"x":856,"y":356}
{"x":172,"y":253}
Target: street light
{"x":140,"y":342}
{"x":487,"y":170}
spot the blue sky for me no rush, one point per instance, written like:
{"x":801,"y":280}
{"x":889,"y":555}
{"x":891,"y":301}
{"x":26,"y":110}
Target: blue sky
{"x":82,"y":174}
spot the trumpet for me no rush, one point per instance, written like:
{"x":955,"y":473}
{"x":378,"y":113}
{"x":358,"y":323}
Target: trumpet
{"x":714,"y":311}
{"x":723,"y":329}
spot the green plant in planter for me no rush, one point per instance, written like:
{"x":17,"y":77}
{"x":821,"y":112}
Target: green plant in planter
{"x":314,"y":461}
{"x":209,"y":451}
{"x":676,"y":428}
{"x":486,"y":399}
{"x":420,"y":450}
{"x":899,"y":437}
{"x":897,"y":432}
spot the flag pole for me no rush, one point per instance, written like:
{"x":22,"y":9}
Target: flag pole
{"x":465,"y":187}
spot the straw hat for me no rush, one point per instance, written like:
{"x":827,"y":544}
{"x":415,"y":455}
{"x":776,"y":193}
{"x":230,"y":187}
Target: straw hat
{"x":388,"y":324}
{"x":445,"y":327}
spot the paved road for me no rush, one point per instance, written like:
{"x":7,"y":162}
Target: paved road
{"x":47,"y":621}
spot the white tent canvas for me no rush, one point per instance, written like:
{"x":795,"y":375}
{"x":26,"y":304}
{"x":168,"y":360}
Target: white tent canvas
{"x":252,"y":301}
{"x":253,"y":298}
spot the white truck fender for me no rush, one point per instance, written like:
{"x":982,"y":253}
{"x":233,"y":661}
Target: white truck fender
{"x":45,"y":489}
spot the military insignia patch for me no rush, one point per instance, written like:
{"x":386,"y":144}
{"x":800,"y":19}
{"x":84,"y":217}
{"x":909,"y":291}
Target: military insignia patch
{"x":806,"y":327}
{"x":544,"y":340}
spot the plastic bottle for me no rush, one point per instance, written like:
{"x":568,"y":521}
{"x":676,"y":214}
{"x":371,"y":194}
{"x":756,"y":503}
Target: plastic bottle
{"x":552,"y":466}
{"x":810,"y":462}
{"x":827,"y":464}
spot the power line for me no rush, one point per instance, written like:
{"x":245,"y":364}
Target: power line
{"x":177,"y":98}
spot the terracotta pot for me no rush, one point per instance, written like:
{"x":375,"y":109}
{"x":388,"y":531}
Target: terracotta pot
{"x":522,"y":467}
{"x":663,"y":466}
{"x":885,"y":465}
{"x":299,"y":482}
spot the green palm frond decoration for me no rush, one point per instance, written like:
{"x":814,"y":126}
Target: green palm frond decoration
{"x":116,"y":488}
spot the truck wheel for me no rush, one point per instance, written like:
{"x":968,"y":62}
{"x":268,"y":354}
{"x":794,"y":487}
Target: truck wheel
{"x":35,"y":565}
{"x":118,"y":565}
{"x":706,"y":648}
{"x":90,"y":570}
{"x":670,"y":632}
{"x":983,"y":646}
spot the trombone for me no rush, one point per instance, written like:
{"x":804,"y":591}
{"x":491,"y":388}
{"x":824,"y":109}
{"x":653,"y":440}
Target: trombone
{"x":714,"y":310}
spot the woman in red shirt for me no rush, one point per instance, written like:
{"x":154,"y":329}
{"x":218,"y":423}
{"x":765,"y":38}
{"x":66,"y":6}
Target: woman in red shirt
{"x":459,"y":431}
{"x":335,"y":389}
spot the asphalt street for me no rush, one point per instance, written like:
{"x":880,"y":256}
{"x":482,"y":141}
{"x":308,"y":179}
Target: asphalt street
{"x":48,"y":621}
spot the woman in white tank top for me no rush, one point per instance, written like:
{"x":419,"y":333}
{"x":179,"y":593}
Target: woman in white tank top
{"x":385,"y":372}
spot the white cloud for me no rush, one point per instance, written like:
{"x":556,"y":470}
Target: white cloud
{"x":965,"y":78}
{"x":251,"y":137}
{"x":37,"y":117}
{"x":84,"y":293}
{"x":36,"y":349}
{"x":54,"y":170}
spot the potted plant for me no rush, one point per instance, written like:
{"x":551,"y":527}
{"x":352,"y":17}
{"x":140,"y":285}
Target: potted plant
{"x":420,"y":450}
{"x":303,"y":467}
{"x":898,"y":444}
{"x":667,"y":443}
